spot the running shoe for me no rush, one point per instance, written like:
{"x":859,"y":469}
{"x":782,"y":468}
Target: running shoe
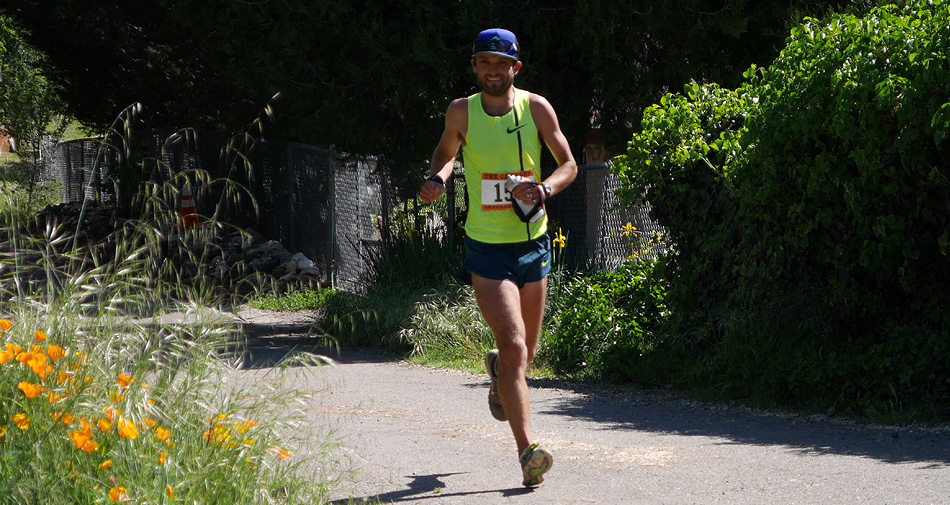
{"x":494,"y":401}
{"x":535,"y":462}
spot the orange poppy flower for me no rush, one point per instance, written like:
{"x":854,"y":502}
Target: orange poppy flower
{"x":54,"y":398}
{"x":105,"y":465}
{"x":162,"y":434}
{"x":31,"y":390}
{"x":127,"y":429}
{"x":104,"y":425}
{"x":80,"y":437}
{"x":111,"y":413}
{"x":39,"y":336}
{"x":55,"y":352}
{"x":5,"y":325}
{"x":21,"y":421}
{"x":117,"y":493}
{"x":125,"y":380}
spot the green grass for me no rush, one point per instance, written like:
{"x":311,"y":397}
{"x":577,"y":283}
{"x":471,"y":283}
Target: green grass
{"x":304,"y":300}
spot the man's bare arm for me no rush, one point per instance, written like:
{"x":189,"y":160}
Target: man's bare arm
{"x":443,"y":158}
{"x":546,"y":120}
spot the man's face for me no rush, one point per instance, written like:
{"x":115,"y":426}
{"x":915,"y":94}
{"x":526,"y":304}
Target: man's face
{"x":495,"y":74}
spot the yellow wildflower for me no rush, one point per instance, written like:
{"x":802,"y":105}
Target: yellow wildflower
{"x":104,"y":425}
{"x":169,"y":492}
{"x":627,"y":230}
{"x":39,"y":336}
{"x":31,"y":390}
{"x":68,"y":419}
{"x":3,"y":434}
{"x":21,"y":421}
{"x":127,"y":429}
{"x":5,"y":325}
{"x":161,"y":458}
{"x":116,"y":397}
{"x":559,"y":240}
{"x":162,"y":434}
{"x":105,"y":465}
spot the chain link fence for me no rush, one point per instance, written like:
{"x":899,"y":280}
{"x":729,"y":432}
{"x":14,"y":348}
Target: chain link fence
{"x":337,"y":209}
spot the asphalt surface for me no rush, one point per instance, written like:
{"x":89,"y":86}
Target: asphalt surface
{"x":425,"y":436}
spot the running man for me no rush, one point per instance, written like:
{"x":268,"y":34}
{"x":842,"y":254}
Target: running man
{"x":500,"y":131}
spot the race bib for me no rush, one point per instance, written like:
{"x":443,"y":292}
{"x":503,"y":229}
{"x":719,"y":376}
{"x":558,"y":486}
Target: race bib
{"x":494,"y":194}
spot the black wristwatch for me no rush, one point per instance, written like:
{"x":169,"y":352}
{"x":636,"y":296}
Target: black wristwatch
{"x":436,"y":178}
{"x":547,"y":190}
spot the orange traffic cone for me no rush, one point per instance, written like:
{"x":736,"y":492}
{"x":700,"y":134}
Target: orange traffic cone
{"x":187,"y":215}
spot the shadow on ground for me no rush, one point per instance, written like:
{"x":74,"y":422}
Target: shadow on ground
{"x":670,"y":414}
{"x":428,"y":487}
{"x":269,"y":344}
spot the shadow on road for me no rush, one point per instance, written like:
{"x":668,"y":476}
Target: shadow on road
{"x":668,"y":414}
{"x":427,"y":487}
{"x":269,"y":344}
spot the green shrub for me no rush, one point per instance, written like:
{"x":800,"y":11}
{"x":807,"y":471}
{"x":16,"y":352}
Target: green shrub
{"x":605,"y":323}
{"x":813,"y":198}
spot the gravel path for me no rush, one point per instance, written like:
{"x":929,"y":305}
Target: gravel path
{"x":426,"y":436}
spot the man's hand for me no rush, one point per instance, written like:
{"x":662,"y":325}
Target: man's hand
{"x":431,"y":191}
{"x":528,"y":192}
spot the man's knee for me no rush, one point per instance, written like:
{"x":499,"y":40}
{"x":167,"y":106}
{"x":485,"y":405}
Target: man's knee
{"x":514,"y":354}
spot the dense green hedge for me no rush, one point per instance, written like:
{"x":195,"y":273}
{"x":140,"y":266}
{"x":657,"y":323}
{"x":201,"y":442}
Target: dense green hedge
{"x":809,"y":214}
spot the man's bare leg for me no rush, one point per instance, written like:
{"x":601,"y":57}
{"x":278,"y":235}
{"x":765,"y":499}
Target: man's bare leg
{"x":500,"y":303}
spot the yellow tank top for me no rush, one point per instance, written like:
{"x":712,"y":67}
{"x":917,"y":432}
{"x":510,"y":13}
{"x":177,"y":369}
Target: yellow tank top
{"x":495,"y":147}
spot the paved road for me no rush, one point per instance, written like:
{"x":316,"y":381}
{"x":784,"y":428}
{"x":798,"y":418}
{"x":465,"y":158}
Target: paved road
{"x":426,"y":436}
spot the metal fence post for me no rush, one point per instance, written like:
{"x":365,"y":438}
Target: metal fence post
{"x":292,"y":191}
{"x":331,"y":217}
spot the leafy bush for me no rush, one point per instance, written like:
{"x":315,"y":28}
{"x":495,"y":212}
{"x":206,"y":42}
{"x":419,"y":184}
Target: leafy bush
{"x":813,"y":198}
{"x":605,"y":323}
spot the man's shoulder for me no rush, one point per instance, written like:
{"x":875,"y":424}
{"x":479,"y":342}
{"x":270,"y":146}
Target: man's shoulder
{"x":459,"y":106}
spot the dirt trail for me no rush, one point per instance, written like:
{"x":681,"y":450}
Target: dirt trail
{"x":426,"y":436}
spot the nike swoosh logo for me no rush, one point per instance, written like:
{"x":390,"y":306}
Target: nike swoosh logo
{"x":544,"y":263}
{"x":516,"y":128}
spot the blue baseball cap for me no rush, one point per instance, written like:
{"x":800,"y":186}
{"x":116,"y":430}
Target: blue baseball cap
{"x":497,"y":41}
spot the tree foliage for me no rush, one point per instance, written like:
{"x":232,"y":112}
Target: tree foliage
{"x":30,"y":104}
{"x":376,"y":77}
{"x":809,"y":213}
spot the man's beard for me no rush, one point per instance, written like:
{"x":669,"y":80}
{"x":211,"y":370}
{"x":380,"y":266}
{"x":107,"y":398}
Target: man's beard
{"x":495,"y":89}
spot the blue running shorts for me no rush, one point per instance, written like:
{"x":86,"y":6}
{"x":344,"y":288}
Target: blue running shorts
{"x":520,"y":262}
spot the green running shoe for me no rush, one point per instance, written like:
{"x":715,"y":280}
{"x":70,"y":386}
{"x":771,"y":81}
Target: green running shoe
{"x":494,"y":401}
{"x":535,"y":462}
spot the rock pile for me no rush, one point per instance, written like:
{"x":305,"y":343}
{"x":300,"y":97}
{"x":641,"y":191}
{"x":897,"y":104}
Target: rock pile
{"x":242,"y":261}
{"x":98,"y":221}
{"x":254,"y":263}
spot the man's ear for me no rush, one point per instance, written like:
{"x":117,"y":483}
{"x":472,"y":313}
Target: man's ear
{"x":473,"y":66}
{"x":517,"y":66}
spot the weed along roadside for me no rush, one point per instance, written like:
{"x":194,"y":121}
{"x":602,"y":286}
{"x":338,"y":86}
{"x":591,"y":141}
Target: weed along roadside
{"x":118,"y":377}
